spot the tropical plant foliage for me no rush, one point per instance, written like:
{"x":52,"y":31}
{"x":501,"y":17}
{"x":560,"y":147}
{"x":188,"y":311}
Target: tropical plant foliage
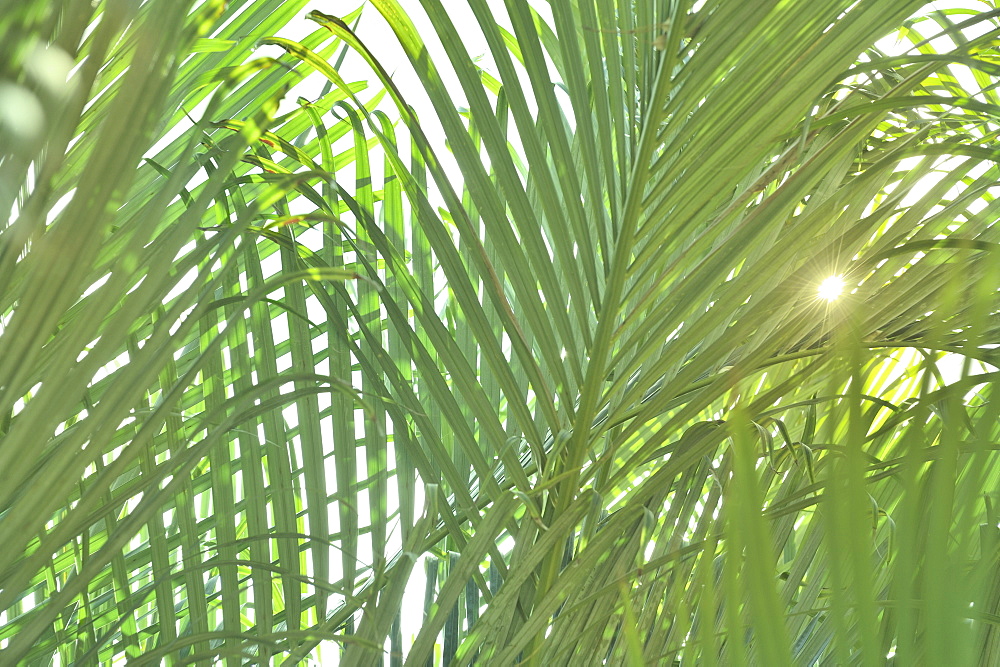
{"x":307,"y":382}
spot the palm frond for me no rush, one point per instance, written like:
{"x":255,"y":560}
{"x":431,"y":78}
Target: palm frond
{"x":567,"y":371}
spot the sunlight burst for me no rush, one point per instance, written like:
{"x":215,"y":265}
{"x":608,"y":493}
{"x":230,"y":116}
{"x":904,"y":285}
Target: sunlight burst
{"x":831,"y":288}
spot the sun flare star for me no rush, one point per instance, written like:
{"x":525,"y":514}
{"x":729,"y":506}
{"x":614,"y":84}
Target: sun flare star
{"x":831,"y":288}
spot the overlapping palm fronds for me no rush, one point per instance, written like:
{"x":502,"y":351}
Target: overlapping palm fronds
{"x":564,"y":375}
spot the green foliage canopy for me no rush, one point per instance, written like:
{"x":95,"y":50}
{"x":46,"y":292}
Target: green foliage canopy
{"x":567,"y":369}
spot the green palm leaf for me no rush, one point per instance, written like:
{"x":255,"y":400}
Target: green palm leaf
{"x":270,"y":368}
